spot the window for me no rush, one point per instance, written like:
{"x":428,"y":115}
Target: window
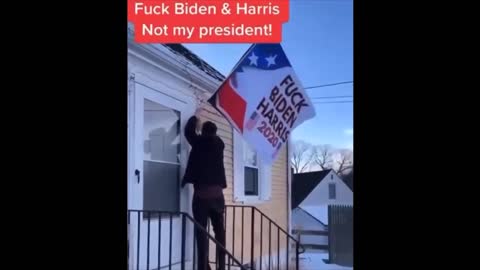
{"x":251,"y":170}
{"x":332,"y":191}
{"x":331,"y":176}
{"x":161,"y":152}
{"x":251,"y":178}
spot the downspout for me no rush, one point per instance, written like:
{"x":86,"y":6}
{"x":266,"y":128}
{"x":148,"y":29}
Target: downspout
{"x":289,"y":191}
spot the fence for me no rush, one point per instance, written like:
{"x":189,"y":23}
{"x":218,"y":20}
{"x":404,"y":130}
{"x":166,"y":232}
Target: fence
{"x":340,"y":235}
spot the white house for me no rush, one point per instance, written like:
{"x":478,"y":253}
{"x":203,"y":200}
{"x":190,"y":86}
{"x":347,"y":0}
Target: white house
{"x":166,"y":82}
{"x":312,"y":192}
{"x":325,"y":187}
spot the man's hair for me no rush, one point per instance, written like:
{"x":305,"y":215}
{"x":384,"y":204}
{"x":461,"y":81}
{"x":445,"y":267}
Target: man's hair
{"x":209,"y":128}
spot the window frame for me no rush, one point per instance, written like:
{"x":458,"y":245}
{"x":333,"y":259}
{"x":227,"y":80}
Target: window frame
{"x":264,"y":182}
{"x":330,"y":185}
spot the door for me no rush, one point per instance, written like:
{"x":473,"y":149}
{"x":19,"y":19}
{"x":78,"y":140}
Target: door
{"x":159,"y":159}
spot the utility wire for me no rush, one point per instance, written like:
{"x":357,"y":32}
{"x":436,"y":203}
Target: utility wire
{"x":329,"y":102}
{"x":327,"y":97}
{"x":326,"y":85}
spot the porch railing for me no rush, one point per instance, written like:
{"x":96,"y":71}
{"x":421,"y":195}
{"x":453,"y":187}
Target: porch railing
{"x":147,"y":241}
{"x":269,"y":246}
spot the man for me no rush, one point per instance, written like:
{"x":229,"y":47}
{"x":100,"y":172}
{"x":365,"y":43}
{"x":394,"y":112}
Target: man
{"x":206,"y":171}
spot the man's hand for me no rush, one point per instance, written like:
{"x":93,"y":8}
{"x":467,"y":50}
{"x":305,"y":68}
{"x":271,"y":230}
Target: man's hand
{"x":199,"y":119}
{"x":198,"y":112}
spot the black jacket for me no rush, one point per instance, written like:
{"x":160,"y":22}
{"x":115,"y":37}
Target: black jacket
{"x":205,"y":163}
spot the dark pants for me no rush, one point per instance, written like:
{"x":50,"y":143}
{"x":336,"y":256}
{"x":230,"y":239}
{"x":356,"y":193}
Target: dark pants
{"x":202,"y":210}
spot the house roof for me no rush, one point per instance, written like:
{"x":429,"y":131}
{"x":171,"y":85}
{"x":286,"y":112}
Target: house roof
{"x":304,"y":183}
{"x":195,"y":60}
{"x":179,"y":61}
{"x":317,"y":217}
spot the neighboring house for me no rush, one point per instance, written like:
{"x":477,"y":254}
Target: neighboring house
{"x":165,"y":83}
{"x":303,"y":220}
{"x":312,"y":192}
{"x":320,"y":188}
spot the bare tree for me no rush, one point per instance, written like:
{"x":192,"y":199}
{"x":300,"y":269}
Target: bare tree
{"x":348,"y":179}
{"x":301,"y":156}
{"x":345,"y":161}
{"x":323,"y":156}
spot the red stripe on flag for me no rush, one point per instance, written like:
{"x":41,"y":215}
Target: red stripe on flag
{"x":233,"y":104}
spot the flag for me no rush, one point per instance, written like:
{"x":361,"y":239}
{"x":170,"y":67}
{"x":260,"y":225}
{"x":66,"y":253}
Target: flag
{"x":252,"y":121}
{"x":263,"y":99}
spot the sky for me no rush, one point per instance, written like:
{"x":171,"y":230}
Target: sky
{"x":318,"y":41}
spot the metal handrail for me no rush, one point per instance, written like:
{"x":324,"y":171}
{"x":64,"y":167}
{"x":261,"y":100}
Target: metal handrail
{"x":269,"y":219}
{"x":197,"y":226}
{"x":299,"y":247}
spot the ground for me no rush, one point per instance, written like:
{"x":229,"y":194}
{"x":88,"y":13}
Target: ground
{"x":314,"y":261}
